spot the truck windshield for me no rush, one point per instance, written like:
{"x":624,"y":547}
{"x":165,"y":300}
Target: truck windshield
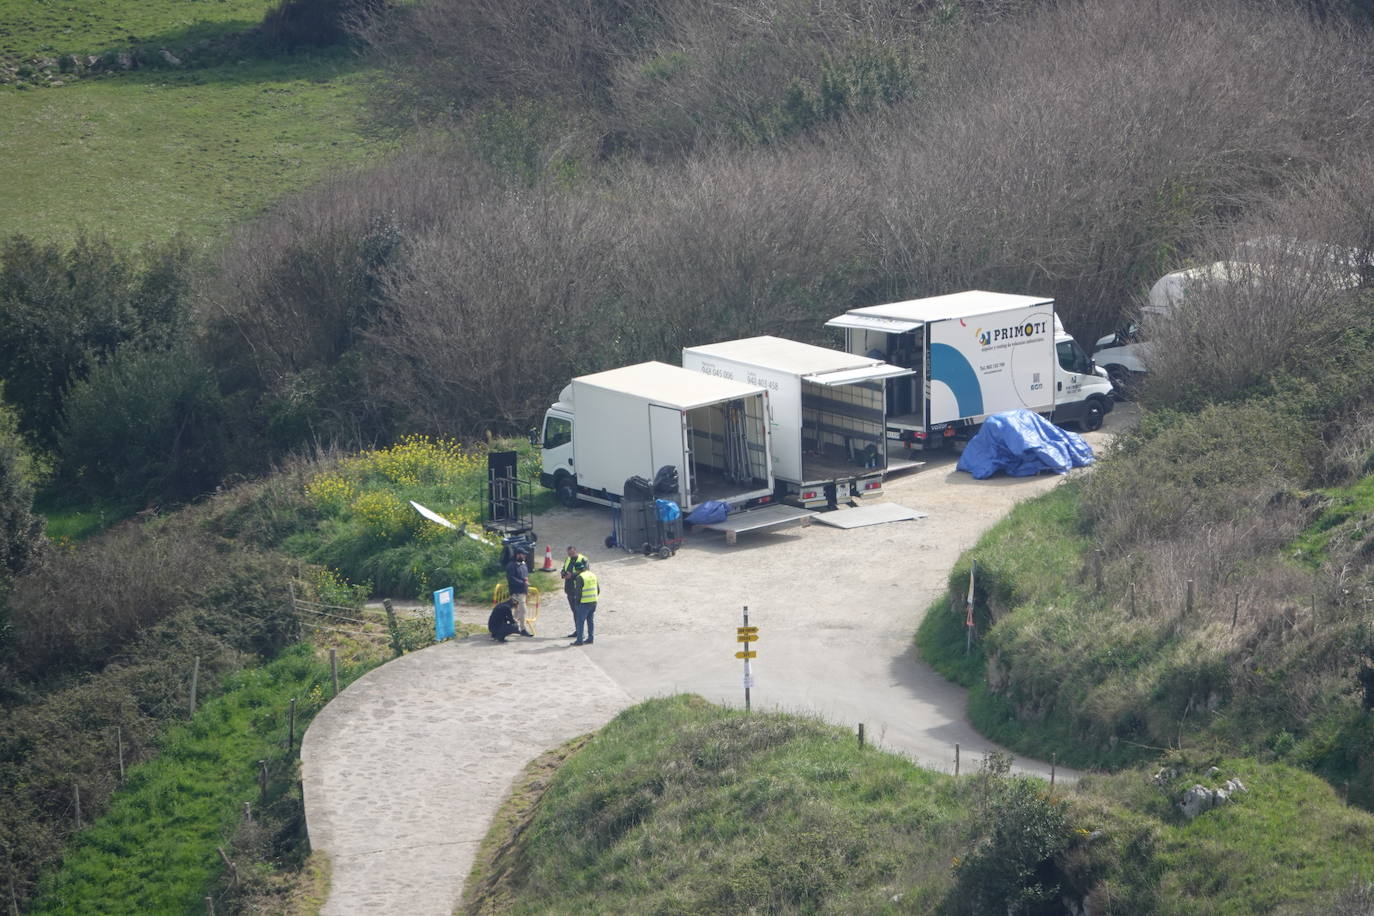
{"x":1072,"y":358}
{"x":557,"y":431}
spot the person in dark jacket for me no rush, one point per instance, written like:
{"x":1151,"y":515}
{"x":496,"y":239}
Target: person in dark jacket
{"x":502,"y":623}
{"x":518,"y":581}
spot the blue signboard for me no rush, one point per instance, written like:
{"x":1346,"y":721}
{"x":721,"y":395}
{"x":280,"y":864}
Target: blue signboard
{"x":443,"y":613}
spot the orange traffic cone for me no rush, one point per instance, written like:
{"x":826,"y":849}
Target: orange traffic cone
{"x":548,"y":558}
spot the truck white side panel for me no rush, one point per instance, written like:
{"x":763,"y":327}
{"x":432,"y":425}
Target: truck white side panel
{"x":667,"y":440}
{"x":989,"y":363}
{"x":610,"y":437}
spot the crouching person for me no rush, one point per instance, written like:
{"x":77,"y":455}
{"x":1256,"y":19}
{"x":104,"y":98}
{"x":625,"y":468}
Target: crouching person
{"x":502,"y":623}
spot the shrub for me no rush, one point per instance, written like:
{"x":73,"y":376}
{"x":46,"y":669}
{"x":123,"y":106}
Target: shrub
{"x":21,"y":532}
{"x":145,"y":425}
{"x":293,"y":24}
{"x":64,"y":310}
{"x":1020,"y":829}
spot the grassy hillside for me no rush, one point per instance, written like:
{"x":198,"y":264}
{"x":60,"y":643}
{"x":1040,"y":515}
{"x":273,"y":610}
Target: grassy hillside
{"x":678,"y":806}
{"x":57,"y":27}
{"x":148,"y":153}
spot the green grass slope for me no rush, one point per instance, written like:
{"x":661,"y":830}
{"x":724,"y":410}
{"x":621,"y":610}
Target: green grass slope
{"x":145,"y":154}
{"x":678,"y":806}
{"x":149,"y":154}
{"x":56,"y":27}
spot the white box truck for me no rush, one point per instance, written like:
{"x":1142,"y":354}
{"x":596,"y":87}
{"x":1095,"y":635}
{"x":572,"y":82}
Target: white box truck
{"x":828,"y":409}
{"x":974,"y":353}
{"x":633,"y":421}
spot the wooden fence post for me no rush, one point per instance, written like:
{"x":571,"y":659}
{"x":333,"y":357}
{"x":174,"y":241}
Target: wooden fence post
{"x":1235,"y":611}
{"x":956,"y":758}
{"x":1188,"y":605}
{"x":861,"y":734}
{"x":195,"y":679}
{"x":334,"y":668}
{"x":291,"y":727}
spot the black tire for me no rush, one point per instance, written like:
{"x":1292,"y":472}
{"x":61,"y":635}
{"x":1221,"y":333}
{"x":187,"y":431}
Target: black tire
{"x":610,"y":540}
{"x":566,"y":490}
{"x":1092,"y":417}
{"x":646,"y":548}
{"x":664,"y":553}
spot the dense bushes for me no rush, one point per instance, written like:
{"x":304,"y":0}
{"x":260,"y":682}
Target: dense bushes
{"x":104,"y":642}
{"x":63,"y":311}
{"x":1056,"y":153}
{"x":144,"y":425}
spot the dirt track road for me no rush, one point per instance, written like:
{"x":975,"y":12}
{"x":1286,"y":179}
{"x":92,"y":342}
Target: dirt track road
{"x":405,"y":770}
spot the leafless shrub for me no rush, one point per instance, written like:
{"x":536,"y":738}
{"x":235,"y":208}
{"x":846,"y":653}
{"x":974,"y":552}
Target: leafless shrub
{"x":1290,"y":291}
{"x":1077,"y":151}
{"x":1350,"y":455}
{"x":444,"y":55}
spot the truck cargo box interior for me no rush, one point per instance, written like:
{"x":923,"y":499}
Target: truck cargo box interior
{"x":728,"y":455}
{"x":842,"y":429}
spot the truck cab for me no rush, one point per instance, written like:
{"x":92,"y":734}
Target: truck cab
{"x":1082,"y":392}
{"x":559,"y":470}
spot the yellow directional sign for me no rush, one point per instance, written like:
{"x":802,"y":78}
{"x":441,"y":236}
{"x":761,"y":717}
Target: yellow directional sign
{"x":747,"y":637}
{"x":747,"y":631}
{"x":746,"y":654}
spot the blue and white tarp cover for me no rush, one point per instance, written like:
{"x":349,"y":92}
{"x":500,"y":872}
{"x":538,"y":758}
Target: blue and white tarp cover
{"x":709,"y":513}
{"x":1021,"y":443}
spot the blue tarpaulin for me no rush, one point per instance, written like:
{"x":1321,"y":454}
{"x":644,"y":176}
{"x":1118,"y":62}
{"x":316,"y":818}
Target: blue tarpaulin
{"x":709,"y":513}
{"x":1021,"y":443}
{"x":668,"y":511}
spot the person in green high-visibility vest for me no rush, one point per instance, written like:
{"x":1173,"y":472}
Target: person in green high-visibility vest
{"x":588,"y":590}
{"x":568,"y":574}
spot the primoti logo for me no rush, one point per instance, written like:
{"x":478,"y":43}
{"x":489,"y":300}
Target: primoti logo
{"x":989,"y":336}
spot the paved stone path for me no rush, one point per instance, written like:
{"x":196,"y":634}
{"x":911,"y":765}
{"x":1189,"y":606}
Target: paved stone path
{"x":404,"y":771}
{"x":406,"y":768}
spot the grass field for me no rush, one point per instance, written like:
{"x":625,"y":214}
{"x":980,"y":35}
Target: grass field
{"x":56,"y":27}
{"x":145,"y":155}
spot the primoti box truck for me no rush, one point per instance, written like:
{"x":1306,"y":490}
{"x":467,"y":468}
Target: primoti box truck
{"x":634,"y":421}
{"x":974,"y":353}
{"x":828,"y":409}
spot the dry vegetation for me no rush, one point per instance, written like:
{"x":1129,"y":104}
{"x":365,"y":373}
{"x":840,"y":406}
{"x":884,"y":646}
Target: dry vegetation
{"x":1075,"y":150}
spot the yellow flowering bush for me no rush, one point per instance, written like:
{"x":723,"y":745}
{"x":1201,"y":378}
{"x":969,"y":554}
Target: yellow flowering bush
{"x":385,"y":513}
{"x":420,"y":461}
{"x":331,"y":492}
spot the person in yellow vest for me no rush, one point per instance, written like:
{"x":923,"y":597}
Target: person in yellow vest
{"x":588,"y":591}
{"x":569,"y":590}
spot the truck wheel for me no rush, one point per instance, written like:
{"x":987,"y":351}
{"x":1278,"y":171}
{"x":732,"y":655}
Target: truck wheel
{"x":664,"y":553}
{"x":1092,"y":417}
{"x":566,"y":491}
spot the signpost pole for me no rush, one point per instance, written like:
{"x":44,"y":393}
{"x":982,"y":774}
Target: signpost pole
{"x":748,"y":675}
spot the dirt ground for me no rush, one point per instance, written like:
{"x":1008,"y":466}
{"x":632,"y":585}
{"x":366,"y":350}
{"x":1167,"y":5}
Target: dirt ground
{"x":815,"y":578}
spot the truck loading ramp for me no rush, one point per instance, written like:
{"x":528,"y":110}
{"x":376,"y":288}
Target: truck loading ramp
{"x":768,"y":518}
